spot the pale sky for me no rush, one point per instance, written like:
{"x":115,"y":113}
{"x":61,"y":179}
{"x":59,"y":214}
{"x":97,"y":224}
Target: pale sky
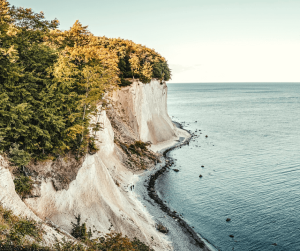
{"x":203,"y":40}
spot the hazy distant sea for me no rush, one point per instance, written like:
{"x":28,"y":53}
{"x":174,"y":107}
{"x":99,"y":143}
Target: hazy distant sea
{"x":251,"y":161}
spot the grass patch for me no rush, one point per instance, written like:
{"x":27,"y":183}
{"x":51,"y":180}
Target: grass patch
{"x":14,"y":229}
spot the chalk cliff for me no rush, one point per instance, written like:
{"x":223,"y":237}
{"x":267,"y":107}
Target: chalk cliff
{"x":99,"y":187}
{"x":145,"y":109}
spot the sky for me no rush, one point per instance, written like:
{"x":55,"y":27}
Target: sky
{"x":202,"y":40}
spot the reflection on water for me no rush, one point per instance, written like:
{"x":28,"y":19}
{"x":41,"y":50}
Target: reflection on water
{"x":251,"y":164}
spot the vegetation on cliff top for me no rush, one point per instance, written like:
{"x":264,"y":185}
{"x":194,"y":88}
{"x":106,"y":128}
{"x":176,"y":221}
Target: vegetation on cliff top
{"x":51,"y":82}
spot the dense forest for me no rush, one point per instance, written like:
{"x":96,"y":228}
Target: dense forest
{"x":52,"y":82}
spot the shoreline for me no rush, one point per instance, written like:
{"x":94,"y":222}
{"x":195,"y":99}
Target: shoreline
{"x":181,"y":235}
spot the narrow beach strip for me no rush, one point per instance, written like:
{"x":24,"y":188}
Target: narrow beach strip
{"x":182,"y":236}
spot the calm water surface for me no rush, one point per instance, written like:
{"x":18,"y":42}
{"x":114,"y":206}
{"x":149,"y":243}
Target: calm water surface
{"x":251,"y":161}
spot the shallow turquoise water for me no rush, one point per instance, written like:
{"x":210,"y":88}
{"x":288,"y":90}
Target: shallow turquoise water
{"x":251,"y":161}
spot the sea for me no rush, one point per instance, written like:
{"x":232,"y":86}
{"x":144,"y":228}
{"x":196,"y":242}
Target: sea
{"x":247,"y":149}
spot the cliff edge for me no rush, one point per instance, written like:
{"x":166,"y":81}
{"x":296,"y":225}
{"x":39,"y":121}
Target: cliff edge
{"x":98,"y":187}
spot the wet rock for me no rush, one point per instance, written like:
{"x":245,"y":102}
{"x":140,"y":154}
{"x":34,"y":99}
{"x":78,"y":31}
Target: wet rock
{"x":161,"y":228}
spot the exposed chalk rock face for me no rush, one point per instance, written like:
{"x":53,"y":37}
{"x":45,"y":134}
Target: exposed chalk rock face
{"x":145,"y":108}
{"x":99,"y":189}
{"x":94,"y":195}
{"x":11,"y":201}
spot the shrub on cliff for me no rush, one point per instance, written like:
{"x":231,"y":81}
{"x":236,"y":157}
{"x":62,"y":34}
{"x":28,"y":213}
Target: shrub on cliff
{"x":14,"y":230}
{"x":117,"y":242}
{"x":79,"y":230}
{"x":14,"y":233}
{"x":23,"y":185}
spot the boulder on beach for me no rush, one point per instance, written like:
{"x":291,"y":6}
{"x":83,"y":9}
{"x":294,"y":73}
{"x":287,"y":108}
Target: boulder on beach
{"x":161,"y":228}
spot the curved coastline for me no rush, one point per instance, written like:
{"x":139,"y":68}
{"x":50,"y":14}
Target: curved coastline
{"x":196,"y":242}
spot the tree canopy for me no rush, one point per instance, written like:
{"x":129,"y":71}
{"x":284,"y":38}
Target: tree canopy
{"x":51,"y":81}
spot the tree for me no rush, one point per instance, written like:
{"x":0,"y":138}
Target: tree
{"x":91,"y":69}
{"x":52,"y":81}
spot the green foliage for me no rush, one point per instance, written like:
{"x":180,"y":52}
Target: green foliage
{"x":161,"y":71}
{"x":27,"y":115}
{"x":23,"y":185}
{"x":92,"y":146}
{"x":138,"y":147}
{"x":22,"y":228}
{"x":140,"y":246}
{"x":69,"y":246}
{"x":111,"y":242}
{"x":124,"y":82}
{"x":142,"y":145}
{"x":19,"y":157}
{"x":17,"y":229}
{"x":125,"y":68}
{"x":51,"y":82}
{"x":26,"y":19}
{"x":14,"y":233}
{"x":137,"y":61}
{"x":45,"y":99}
{"x":79,"y":230}
{"x":116,"y":242}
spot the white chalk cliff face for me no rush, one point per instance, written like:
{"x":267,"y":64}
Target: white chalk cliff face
{"x":145,"y":106}
{"x":100,"y":193}
{"x":11,"y":201}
